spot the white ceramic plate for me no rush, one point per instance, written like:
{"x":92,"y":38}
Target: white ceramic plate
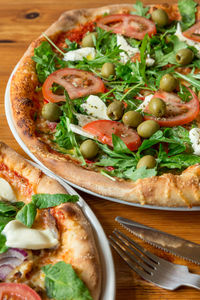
{"x":108,"y":270}
{"x":30,"y":154}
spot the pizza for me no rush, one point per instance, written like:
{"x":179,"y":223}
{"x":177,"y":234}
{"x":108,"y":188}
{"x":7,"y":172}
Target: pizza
{"x":107,"y":98}
{"x":47,"y":246}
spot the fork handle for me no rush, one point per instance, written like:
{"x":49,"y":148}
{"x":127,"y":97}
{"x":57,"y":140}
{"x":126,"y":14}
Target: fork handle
{"x":192,"y":280}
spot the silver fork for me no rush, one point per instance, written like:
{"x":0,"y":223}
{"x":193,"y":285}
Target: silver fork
{"x":151,"y":267}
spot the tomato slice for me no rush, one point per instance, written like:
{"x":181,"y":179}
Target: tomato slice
{"x":78,"y":83}
{"x":129,"y":25}
{"x":178,"y":113}
{"x":193,"y":32}
{"x":17,"y":291}
{"x":103,"y":130}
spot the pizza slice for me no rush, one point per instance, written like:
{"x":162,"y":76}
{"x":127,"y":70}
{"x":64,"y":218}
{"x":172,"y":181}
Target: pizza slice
{"x":107,"y":98}
{"x":46,"y":242}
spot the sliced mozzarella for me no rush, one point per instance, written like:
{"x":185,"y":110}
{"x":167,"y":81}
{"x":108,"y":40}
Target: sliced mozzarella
{"x":20,"y":236}
{"x":182,"y":38}
{"x":83,"y":119}
{"x":78,"y":130}
{"x":87,"y":52}
{"x":146,"y":101}
{"x":194,"y":135}
{"x":123,"y":45}
{"x":149,"y":61}
{"x":95,"y":107}
{"x":6,"y":192}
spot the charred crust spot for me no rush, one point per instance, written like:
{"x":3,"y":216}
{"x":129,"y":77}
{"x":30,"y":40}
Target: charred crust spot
{"x":71,"y":212}
{"x":27,"y":102}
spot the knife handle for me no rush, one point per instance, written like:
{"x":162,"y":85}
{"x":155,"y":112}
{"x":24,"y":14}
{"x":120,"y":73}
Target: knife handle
{"x":192,"y":280}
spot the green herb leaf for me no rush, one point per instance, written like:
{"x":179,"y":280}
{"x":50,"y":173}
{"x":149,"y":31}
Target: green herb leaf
{"x":140,"y":173}
{"x":187,"y":9}
{"x":140,"y":10}
{"x":50,"y":200}
{"x":62,"y":282}
{"x":119,"y":146}
{"x":27,"y":214}
{"x":3,"y":247}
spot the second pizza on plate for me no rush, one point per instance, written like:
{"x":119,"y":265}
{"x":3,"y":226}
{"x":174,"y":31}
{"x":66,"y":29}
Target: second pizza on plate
{"x":107,"y":98}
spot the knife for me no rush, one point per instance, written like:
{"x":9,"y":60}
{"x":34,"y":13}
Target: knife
{"x":162,"y":240}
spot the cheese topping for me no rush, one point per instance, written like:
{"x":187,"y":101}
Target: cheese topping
{"x":194,"y":135}
{"x":6,"y":192}
{"x":146,"y":101}
{"x":20,"y":236}
{"x":87,"y":52}
{"x":95,"y":107}
{"x":84,"y":119}
{"x":182,"y":38}
{"x":78,"y":130}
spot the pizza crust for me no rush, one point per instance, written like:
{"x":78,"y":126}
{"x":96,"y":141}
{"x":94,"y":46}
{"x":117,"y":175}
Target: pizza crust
{"x":167,"y":190}
{"x":77,"y":243}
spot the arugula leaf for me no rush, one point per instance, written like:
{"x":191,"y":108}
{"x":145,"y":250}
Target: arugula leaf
{"x":62,"y":282}
{"x":50,"y":200}
{"x":71,"y":45}
{"x":187,"y":9}
{"x":140,"y":10}
{"x":27,"y":214}
{"x":119,"y":146}
{"x":194,"y":80}
{"x":140,"y":173}
{"x":3,"y":247}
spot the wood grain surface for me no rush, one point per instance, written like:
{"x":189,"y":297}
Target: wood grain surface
{"x":21,"y":22}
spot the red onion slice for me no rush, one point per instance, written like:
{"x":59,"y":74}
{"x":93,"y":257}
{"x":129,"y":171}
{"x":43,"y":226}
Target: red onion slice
{"x":4,"y":271}
{"x":14,"y":252}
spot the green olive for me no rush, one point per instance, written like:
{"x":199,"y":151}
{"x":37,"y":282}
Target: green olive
{"x":184,"y":56}
{"x":168,"y":83}
{"x":147,"y":128}
{"x":157,"y":107}
{"x":89,"y":149}
{"x":132,"y":118}
{"x":147,"y":161}
{"x":51,"y":112}
{"x":88,"y":40}
{"x":160,"y":17}
{"x":115,"y":110}
{"x":107,"y":69}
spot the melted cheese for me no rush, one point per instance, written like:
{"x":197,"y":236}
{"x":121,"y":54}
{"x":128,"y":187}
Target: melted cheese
{"x":87,"y":52}
{"x":182,"y":38}
{"x":20,"y":236}
{"x":6,"y":192}
{"x":95,"y":107}
{"x":194,"y":135}
{"x":78,"y":130}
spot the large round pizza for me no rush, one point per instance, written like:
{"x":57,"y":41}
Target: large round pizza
{"x":107,"y":98}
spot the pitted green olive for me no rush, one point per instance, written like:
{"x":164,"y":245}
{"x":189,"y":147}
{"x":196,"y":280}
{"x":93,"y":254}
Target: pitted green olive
{"x":88,"y":40}
{"x":147,"y":161}
{"x":147,"y":128}
{"x":184,"y":56}
{"x":157,"y":107}
{"x":115,"y":110}
{"x":107,"y":69}
{"x":168,"y":83}
{"x":132,"y":118}
{"x":160,"y":17}
{"x":89,"y":149}
{"x":51,"y":112}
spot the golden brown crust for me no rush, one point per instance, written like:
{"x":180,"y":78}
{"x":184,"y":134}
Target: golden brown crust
{"x":166,"y":190}
{"x":77,"y":243}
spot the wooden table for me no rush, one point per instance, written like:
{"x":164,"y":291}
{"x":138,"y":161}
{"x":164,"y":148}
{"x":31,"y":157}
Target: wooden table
{"x":21,"y":22}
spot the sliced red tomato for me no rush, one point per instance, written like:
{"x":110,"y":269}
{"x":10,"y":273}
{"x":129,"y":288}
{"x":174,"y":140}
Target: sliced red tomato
{"x":178,"y":112}
{"x":17,"y":291}
{"x":129,"y":25}
{"x":103,"y":130}
{"x":193,"y":32}
{"x":77,"y":83}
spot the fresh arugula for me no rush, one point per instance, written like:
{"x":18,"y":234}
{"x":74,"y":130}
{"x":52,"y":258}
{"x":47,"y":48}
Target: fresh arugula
{"x":62,"y":282}
{"x":187,"y":9}
{"x":140,"y":10}
{"x":50,"y":200}
{"x":140,"y":173}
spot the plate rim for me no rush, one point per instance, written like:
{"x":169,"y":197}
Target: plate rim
{"x":32,"y":156}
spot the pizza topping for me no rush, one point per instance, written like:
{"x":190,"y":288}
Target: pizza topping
{"x":104,"y":129}
{"x":194,"y":135}
{"x":78,"y":130}
{"x":51,"y":112}
{"x":147,"y":128}
{"x":79,"y":54}
{"x":20,"y":236}
{"x":77,"y":83}
{"x":89,"y":149}
{"x":157,"y":107}
{"x":191,"y":40}
{"x":115,"y":110}
{"x":128,"y":51}
{"x":95,"y":107}
{"x":168,"y":83}
{"x":107,"y":70}
{"x":6,"y":191}
{"x":187,"y":10}
{"x":147,"y":161}
{"x":17,"y":291}
{"x":160,"y":17}
{"x":88,"y":40}
{"x":132,"y":118}
{"x":184,"y":56}
{"x":177,"y":112}
{"x":129,"y":25}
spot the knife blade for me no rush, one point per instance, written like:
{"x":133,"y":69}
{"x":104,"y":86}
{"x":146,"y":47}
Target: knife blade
{"x":162,"y":240}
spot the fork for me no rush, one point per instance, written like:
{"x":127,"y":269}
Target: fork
{"x":151,"y":267}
